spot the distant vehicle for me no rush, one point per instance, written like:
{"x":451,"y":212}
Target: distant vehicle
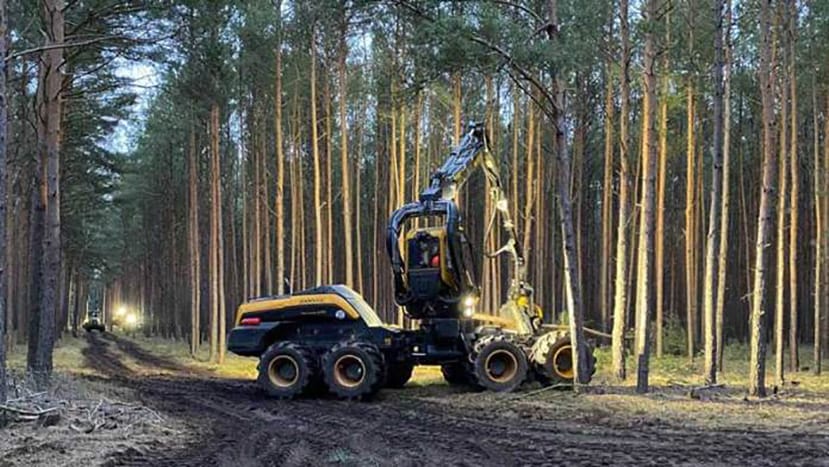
{"x":94,"y":322}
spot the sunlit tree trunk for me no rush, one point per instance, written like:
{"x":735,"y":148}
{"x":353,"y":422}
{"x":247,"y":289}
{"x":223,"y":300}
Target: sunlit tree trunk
{"x":607,"y":190}
{"x":213,"y":258}
{"x":346,"y":169}
{"x":194,"y":247}
{"x":726,"y":152}
{"x":819,"y":234}
{"x":280,"y":160}
{"x":620,"y":287}
{"x":781,"y":237}
{"x":318,"y":234}
{"x":794,"y":200}
{"x":765,"y":220}
{"x":690,"y":224}
{"x":646,"y":234}
{"x":660,"y":193}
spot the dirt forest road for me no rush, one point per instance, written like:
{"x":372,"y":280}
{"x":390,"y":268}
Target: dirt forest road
{"x":231,"y":423}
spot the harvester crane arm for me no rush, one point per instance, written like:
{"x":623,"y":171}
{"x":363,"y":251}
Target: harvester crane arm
{"x":439,"y":198}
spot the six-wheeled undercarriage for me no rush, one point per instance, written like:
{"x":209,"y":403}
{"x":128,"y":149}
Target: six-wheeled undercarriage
{"x":329,"y":339}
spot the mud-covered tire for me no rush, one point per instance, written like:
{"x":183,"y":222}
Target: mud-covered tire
{"x":552,"y":360}
{"x":287,"y":370}
{"x":354,"y":370}
{"x":457,"y":374}
{"x":398,"y":374}
{"x":499,"y":364}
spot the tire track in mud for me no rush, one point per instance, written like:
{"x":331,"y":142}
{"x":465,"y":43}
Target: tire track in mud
{"x":234,"y":424}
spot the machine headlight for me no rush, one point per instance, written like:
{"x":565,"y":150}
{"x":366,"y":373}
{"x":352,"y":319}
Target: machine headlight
{"x":469,"y":301}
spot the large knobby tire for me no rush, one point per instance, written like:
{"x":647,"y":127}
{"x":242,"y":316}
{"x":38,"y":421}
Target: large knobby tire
{"x":287,"y":369}
{"x":398,"y":374}
{"x":552,"y":360}
{"x":500,"y":364}
{"x":354,"y":370}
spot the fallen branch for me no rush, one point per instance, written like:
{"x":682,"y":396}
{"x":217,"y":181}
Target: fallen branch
{"x":27,"y":413}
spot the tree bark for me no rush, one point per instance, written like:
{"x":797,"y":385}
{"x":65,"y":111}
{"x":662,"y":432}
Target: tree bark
{"x":607,"y":193}
{"x":765,"y":221}
{"x":726,"y":178}
{"x":43,"y":336}
{"x":819,"y":253}
{"x":318,"y":247}
{"x":794,"y":357}
{"x":279,"y":217}
{"x":713,"y":245}
{"x":346,"y":166}
{"x":620,"y":298}
{"x":780,"y":241}
{"x":660,"y":194}
{"x":195,"y":253}
{"x":690,"y":225}
{"x":646,"y":237}
{"x":3,"y":133}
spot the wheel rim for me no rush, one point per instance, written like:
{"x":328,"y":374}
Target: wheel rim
{"x":501,"y":366}
{"x":283,"y":371}
{"x":563,"y":362}
{"x":349,"y":371}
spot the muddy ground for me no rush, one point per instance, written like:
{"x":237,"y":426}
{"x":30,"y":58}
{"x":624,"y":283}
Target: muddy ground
{"x":205,"y":420}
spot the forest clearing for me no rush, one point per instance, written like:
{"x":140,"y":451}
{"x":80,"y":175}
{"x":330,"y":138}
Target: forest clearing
{"x":200,"y":411}
{"x":417,"y":232}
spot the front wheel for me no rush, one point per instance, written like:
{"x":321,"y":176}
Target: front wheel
{"x":286,"y":370}
{"x":354,"y":370}
{"x":500,"y":364}
{"x":552,"y":359}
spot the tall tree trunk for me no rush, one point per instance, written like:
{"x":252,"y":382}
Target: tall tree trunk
{"x":3,"y":133}
{"x":765,"y":221}
{"x":193,"y":241}
{"x":726,"y":152}
{"x":620,"y":286}
{"x":713,"y":245}
{"x":573,"y":297}
{"x":649,"y":154}
{"x":43,"y":337}
{"x":348,"y":245}
{"x":318,"y":247}
{"x":794,"y":362}
{"x":690,"y":224}
{"x":780,"y":240}
{"x":660,"y":193}
{"x":214,"y":236}
{"x":607,"y":193}
{"x":280,"y":161}
{"x":219,"y":230}
{"x":819,"y":235}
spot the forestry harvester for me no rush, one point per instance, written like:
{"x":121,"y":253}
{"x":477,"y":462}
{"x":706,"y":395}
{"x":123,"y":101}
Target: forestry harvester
{"x":329,"y":337}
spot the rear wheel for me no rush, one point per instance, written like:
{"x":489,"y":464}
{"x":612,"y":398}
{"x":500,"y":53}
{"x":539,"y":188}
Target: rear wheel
{"x":552,"y":359}
{"x":500,"y":364}
{"x":286,"y":370}
{"x":354,"y":370}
